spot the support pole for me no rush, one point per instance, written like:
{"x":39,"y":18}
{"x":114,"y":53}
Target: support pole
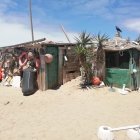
{"x":31,"y":21}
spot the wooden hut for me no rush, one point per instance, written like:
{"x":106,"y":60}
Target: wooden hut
{"x":63,"y":67}
{"x":122,"y":63}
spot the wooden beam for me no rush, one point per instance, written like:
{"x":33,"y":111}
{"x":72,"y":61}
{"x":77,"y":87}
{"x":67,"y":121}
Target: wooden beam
{"x":23,"y":44}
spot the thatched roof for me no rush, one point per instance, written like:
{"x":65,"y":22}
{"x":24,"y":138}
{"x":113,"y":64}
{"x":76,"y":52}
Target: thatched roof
{"x":119,"y":44}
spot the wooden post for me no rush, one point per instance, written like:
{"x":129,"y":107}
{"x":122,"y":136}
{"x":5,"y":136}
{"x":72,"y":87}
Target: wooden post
{"x":104,"y":67}
{"x":31,"y":21}
{"x":42,"y":73}
{"x":60,"y":66}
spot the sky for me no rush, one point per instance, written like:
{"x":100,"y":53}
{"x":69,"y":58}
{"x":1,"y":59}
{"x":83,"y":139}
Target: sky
{"x":92,"y":16}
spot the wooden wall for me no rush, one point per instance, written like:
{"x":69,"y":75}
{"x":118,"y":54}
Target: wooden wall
{"x":71,"y":68}
{"x":67,"y":70}
{"x":42,"y":75}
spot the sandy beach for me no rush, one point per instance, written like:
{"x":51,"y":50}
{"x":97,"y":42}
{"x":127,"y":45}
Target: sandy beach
{"x":68,"y":113}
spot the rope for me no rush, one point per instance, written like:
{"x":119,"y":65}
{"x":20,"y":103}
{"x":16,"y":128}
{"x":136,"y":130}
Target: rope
{"x":121,"y":53}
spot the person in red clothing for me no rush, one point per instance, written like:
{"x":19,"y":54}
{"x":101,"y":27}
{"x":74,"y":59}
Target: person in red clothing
{"x":22,"y":60}
{"x":33,"y":61}
{"x":27,"y":60}
{"x":30,"y":65}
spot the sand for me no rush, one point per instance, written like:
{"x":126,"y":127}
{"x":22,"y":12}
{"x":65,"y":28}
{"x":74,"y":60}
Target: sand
{"x":68,"y":113}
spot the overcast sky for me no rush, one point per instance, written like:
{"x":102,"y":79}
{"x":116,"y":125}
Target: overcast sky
{"x":75,"y":15}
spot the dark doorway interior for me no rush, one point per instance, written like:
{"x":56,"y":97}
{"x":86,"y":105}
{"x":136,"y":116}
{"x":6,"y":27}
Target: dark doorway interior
{"x":117,"y":59}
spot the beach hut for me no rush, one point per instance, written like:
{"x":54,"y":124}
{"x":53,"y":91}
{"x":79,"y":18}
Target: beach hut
{"x":63,"y":67}
{"x":122,"y":63}
{"x":58,"y":61}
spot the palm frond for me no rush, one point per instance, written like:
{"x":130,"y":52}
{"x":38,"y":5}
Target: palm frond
{"x":101,"y":39}
{"x":83,"y":39}
{"x":83,"y":53}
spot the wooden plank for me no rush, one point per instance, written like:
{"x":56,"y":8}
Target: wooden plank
{"x":60,"y":66}
{"x":43,"y":74}
{"x":23,"y":44}
{"x":72,"y":68}
{"x":64,"y":76}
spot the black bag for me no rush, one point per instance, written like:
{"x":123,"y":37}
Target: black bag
{"x":29,"y":82}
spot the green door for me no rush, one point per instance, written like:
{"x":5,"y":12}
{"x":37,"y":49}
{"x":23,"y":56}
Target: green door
{"x":52,"y":68}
